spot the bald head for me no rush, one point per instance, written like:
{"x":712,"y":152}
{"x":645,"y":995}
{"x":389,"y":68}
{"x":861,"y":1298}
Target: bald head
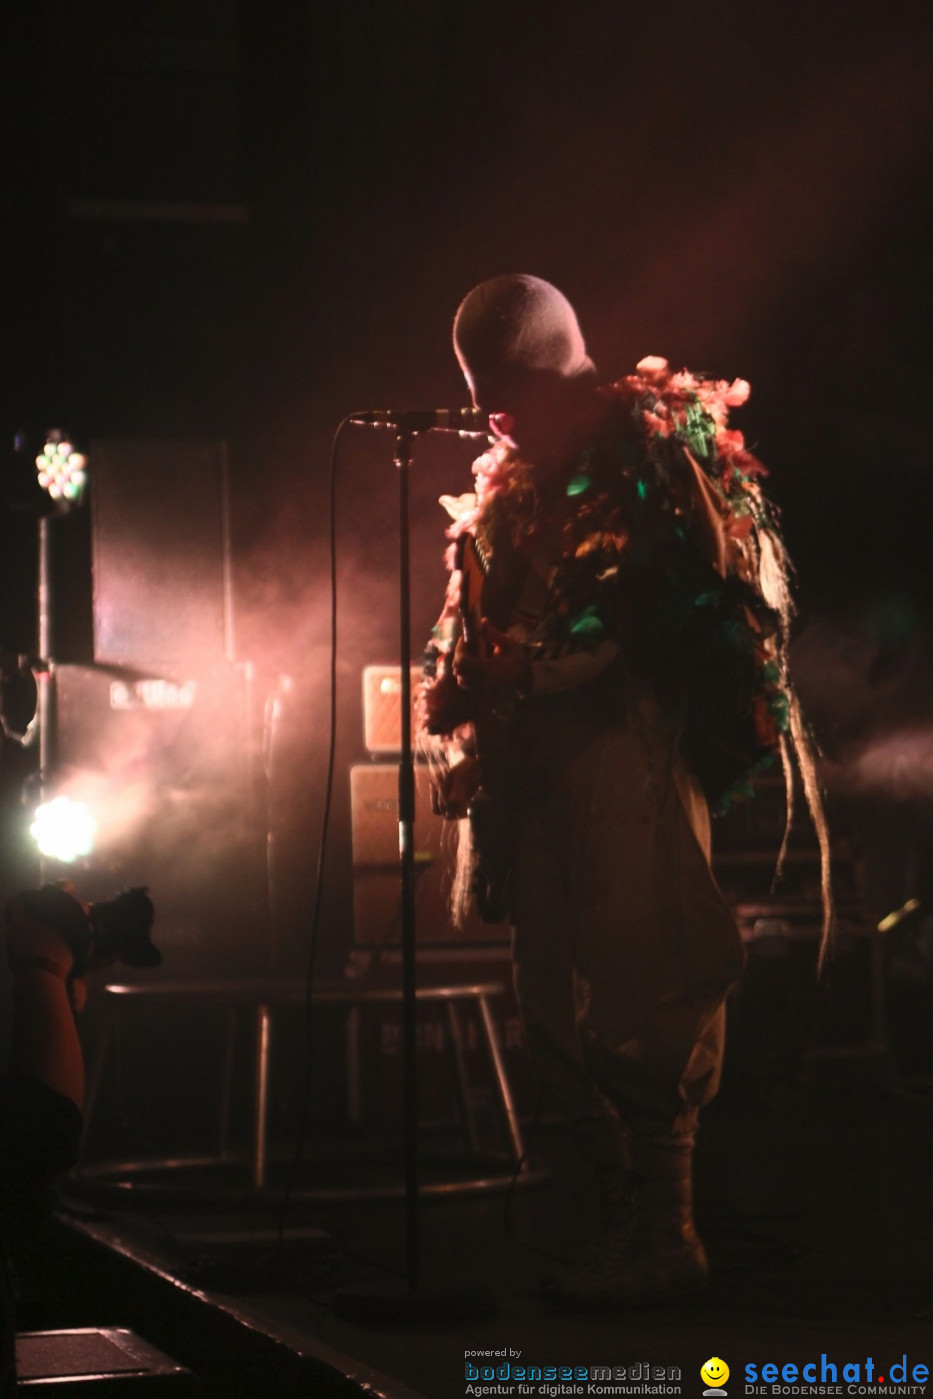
{"x":524,"y":358}
{"x":514,"y":326}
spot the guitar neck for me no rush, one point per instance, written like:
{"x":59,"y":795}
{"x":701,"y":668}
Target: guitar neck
{"x":472,"y":576}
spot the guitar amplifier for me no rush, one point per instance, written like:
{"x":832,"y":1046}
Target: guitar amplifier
{"x":382,"y":714}
{"x":376,"y":882}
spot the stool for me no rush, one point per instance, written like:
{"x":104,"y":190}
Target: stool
{"x":106,"y":1360}
{"x":262,"y":997}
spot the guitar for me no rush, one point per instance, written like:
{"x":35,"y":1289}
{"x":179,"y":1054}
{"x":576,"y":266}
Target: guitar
{"x":491,"y":812}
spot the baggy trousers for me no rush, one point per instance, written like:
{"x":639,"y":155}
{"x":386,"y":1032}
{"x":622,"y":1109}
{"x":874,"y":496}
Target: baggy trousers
{"x":624,"y":948}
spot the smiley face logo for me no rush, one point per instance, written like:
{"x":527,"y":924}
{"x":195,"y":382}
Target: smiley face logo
{"x":714,"y":1372}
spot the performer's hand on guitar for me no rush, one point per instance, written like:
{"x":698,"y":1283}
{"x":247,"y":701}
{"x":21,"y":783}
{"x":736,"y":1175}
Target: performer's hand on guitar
{"x":454,"y":788}
{"x":443,"y":704}
{"x":501,"y":661}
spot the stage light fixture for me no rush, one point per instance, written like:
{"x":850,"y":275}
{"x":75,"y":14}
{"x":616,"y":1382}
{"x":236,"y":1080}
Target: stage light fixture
{"x":64,"y":830}
{"x":62,"y":470}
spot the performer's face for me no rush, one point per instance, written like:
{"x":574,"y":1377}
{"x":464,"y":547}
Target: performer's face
{"x":538,"y":413}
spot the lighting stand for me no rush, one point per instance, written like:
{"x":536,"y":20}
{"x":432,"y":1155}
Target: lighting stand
{"x":45,"y":668}
{"x":413,"y":1304}
{"x":62,"y":472}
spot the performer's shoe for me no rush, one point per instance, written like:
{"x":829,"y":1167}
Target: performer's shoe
{"x":650,"y":1252}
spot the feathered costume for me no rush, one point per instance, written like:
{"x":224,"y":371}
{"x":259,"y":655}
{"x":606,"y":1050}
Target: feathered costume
{"x":709,"y":629}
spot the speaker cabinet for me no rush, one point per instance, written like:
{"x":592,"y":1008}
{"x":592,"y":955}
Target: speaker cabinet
{"x":162,"y":761}
{"x":376,"y":883}
{"x":161,"y":553}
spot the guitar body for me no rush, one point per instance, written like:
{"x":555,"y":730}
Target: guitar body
{"x":492,"y":811}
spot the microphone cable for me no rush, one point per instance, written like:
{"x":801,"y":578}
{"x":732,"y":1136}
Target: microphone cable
{"x":315,"y":926}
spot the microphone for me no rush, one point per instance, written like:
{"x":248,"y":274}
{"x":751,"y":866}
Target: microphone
{"x":467,"y":420}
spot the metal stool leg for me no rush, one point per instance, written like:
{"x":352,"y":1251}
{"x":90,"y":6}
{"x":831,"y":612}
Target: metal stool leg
{"x":226,"y":1093}
{"x":261,"y":1118}
{"x":354,"y":1091}
{"x":460,"y":1078}
{"x":505,"y":1092}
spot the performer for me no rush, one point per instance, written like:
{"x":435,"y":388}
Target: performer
{"x":629,"y":670}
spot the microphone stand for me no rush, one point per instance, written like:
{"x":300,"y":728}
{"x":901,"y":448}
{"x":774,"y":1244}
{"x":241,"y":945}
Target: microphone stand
{"x":414,"y":1304}
{"x":406,"y":826}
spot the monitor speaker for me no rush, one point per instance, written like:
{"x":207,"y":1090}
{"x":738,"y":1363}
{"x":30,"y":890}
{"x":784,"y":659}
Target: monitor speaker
{"x":101,"y":1360}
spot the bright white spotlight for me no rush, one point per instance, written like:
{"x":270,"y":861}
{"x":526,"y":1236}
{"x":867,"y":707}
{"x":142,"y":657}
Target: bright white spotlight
{"x":64,"y":830}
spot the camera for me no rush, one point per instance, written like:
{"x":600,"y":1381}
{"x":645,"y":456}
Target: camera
{"x":117,"y":930}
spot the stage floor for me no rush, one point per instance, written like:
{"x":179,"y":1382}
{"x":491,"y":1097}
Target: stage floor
{"x":816,"y":1207}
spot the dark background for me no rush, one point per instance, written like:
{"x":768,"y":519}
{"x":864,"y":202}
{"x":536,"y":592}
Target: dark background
{"x":243,"y":220}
